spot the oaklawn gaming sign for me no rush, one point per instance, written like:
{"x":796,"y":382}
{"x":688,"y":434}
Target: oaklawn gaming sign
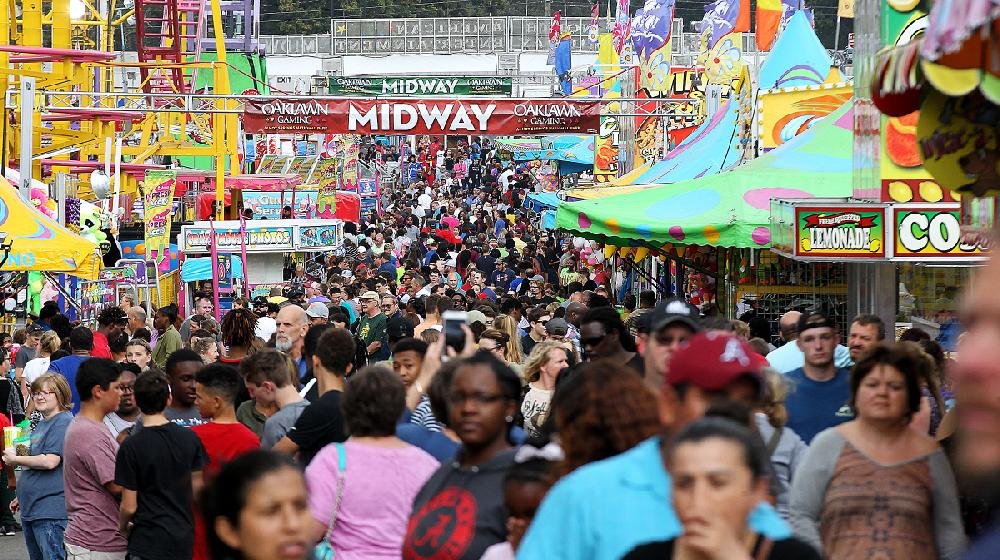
{"x":421,"y":86}
{"x":501,"y":117}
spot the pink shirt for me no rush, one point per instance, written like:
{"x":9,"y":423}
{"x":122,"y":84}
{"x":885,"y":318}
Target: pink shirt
{"x":379,"y":488}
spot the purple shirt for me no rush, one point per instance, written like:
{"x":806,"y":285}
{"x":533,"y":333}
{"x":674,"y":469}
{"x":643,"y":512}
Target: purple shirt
{"x":88,"y":464}
{"x":379,"y":486}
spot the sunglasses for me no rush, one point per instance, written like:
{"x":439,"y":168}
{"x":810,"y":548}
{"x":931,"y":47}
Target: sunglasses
{"x":593,"y":341}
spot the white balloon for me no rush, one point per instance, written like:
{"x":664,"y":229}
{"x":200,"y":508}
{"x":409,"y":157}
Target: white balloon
{"x":579,"y":242}
{"x":599,"y":257}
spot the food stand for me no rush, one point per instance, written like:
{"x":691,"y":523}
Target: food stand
{"x":266,"y":246}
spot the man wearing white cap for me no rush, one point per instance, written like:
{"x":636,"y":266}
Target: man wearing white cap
{"x":318,"y":313}
{"x":372,"y":328}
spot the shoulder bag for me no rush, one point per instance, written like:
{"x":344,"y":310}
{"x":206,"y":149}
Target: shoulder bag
{"x":324,"y":550}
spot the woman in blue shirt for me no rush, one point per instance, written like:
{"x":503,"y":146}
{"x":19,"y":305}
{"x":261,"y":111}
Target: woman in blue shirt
{"x":40,"y":495}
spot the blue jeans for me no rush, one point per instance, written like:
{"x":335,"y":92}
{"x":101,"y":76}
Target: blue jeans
{"x":44,"y":538}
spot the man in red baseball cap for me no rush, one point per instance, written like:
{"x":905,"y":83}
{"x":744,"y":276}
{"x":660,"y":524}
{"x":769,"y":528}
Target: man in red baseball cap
{"x":711,"y":365}
{"x":633,"y":505}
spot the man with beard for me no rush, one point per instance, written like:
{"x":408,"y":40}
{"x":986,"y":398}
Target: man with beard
{"x":292,"y":323}
{"x":867,"y":331}
{"x":976,"y":381}
{"x":121,"y":420}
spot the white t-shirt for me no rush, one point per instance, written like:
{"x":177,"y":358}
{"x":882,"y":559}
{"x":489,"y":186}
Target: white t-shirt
{"x":266,"y":326}
{"x":34,"y":368}
{"x":424,"y":201}
{"x":504,"y":178}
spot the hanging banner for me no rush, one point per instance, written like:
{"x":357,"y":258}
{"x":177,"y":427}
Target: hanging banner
{"x":349,"y":148}
{"x":845,"y":232}
{"x":500,"y":117}
{"x":158,"y":205}
{"x":326,"y":194}
{"x":421,"y":86}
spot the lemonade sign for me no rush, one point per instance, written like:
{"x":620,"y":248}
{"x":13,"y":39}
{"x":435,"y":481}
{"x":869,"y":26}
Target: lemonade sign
{"x":843,"y":232}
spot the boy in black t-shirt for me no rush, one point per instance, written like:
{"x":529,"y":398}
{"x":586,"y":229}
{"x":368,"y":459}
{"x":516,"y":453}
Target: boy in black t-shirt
{"x":159,"y":469}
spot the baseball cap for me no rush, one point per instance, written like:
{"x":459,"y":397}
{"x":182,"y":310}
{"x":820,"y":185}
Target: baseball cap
{"x":368,"y":295}
{"x":668,"y":312}
{"x":398,"y":327}
{"x":34,"y":328}
{"x":476,"y":316}
{"x":538,"y":278}
{"x":712,"y":360}
{"x":815,"y":321}
{"x":318,"y":310}
{"x":557,"y":326}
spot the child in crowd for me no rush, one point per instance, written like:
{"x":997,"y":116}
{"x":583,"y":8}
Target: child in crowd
{"x":223,"y":437}
{"x":160,"y":469}
{"x":524,"y":488}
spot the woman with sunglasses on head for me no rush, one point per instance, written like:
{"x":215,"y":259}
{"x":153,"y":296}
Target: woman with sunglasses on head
{"x":459,"y":512}
{"x":40,"y":491}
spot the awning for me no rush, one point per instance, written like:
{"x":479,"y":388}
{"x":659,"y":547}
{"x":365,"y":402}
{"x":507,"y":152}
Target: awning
{"x":200,"y":268}
{"x":541,"y":201}
{"x":730,"y":209}
{"x":39,"y":243}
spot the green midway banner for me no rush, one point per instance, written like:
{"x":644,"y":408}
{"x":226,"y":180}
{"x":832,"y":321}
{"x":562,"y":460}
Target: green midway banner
{"x":420,"y":86}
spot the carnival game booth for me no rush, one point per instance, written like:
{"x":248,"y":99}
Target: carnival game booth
{"x":718,"y":226}
{"x":270,"y":249}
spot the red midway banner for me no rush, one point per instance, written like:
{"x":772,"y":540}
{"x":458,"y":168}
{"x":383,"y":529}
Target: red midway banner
{"x":416,"y":116}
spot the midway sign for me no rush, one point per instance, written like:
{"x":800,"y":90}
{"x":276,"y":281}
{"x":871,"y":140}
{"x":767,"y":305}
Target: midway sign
{"x":501,"y":117}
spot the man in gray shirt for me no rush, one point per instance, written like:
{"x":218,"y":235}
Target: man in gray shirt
{"x":270,"y":376}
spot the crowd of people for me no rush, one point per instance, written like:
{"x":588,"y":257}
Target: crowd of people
{"x":341,"y":418}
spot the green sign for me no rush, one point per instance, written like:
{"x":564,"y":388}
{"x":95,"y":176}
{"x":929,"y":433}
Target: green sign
{"x":421,"y":86}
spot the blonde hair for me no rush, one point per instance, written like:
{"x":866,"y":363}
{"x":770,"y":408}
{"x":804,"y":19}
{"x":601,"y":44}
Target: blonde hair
{"x":775,"y":390}
{"x":202,"y":344}
{"x":49,"y":342}
{"x":742,"y":329}
{"x":507,"y":325}
{"x":57,"y":384}
{"x":538,"y":357}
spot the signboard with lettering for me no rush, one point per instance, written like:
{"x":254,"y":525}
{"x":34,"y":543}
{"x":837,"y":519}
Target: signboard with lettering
{"x":257,"y":238}
{"x":925,"y":232}
{"x":263,"y":236}
{"x":421,"y":86}
{"x":318,"y":237}
{"x":499,"y":117}
{"x":268,"y":204}
{"x":842,"y":232}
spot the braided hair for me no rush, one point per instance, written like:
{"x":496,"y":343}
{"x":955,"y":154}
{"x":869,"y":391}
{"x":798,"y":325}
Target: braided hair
{"x":239,"y":329}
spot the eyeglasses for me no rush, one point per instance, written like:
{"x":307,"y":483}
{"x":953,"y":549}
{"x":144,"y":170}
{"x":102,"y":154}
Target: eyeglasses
{"x":459,"y":399}
{"x":40,"y":394}
{"x":127,"y":388}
